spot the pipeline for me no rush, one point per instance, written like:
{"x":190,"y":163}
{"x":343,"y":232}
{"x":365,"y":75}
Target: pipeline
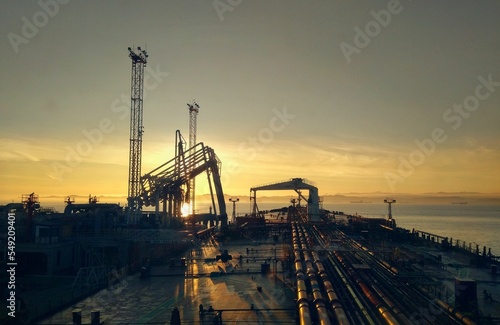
{"x":304,"y":313}
{"x":346,"y":283}
{"x":319,"y":302}
{"x":401,"y":292}
{"x":451,"y":311}
{"x":382,"y":269}
{"x":383,"y":304}
{"x":399,"y":314}
{"x":372,"y":298}
{"x":411,"y":301}
{"x":333,"y":300}
{"x":383,"y":297}
{"x":383,"y":311}
{"x":301,"y":291}
{"x":406,"y":297}
{"x":302,"y":300}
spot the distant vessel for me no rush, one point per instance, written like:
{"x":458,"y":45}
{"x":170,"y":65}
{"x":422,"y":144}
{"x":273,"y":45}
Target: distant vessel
{"x":459,"y":202}
{"x":360,"y":201}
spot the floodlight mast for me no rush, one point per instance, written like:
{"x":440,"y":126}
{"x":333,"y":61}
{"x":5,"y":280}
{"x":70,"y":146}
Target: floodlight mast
{"x":234,"y":200}
{"x":139,"y":61}
{"x":389,"y":202}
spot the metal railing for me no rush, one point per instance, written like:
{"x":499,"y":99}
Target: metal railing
{"x":470,"y":247}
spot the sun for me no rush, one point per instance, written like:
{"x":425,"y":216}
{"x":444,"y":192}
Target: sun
{"x":186,"y":207}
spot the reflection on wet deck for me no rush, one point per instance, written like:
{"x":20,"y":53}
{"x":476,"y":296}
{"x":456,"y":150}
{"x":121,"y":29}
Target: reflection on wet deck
{"x":243,"y":295}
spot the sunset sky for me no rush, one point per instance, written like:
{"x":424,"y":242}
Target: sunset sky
{"x":356,"y":96}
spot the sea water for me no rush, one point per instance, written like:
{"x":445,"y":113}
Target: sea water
{"x":475,"y":224}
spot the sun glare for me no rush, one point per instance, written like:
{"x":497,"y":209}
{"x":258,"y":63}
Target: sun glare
{"x":185,"y":209}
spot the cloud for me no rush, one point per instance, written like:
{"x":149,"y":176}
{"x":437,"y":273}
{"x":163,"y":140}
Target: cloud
{"x":27,"y":155}
{"x":22,"y":150}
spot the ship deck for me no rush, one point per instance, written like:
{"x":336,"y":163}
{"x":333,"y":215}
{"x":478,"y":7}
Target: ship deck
{"x":243,"y":294}
{"x":202,"y":281}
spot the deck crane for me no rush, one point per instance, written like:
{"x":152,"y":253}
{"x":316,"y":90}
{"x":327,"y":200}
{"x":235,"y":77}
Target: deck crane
{"x":295,"y":184}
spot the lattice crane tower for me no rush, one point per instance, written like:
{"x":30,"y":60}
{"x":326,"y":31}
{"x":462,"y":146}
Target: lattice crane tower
{"x":139,"y":60}
{"x":194,"y":108}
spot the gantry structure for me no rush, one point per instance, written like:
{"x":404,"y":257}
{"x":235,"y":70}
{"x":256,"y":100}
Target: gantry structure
{"x":295,"y":184}
{"x":139,"y":61}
